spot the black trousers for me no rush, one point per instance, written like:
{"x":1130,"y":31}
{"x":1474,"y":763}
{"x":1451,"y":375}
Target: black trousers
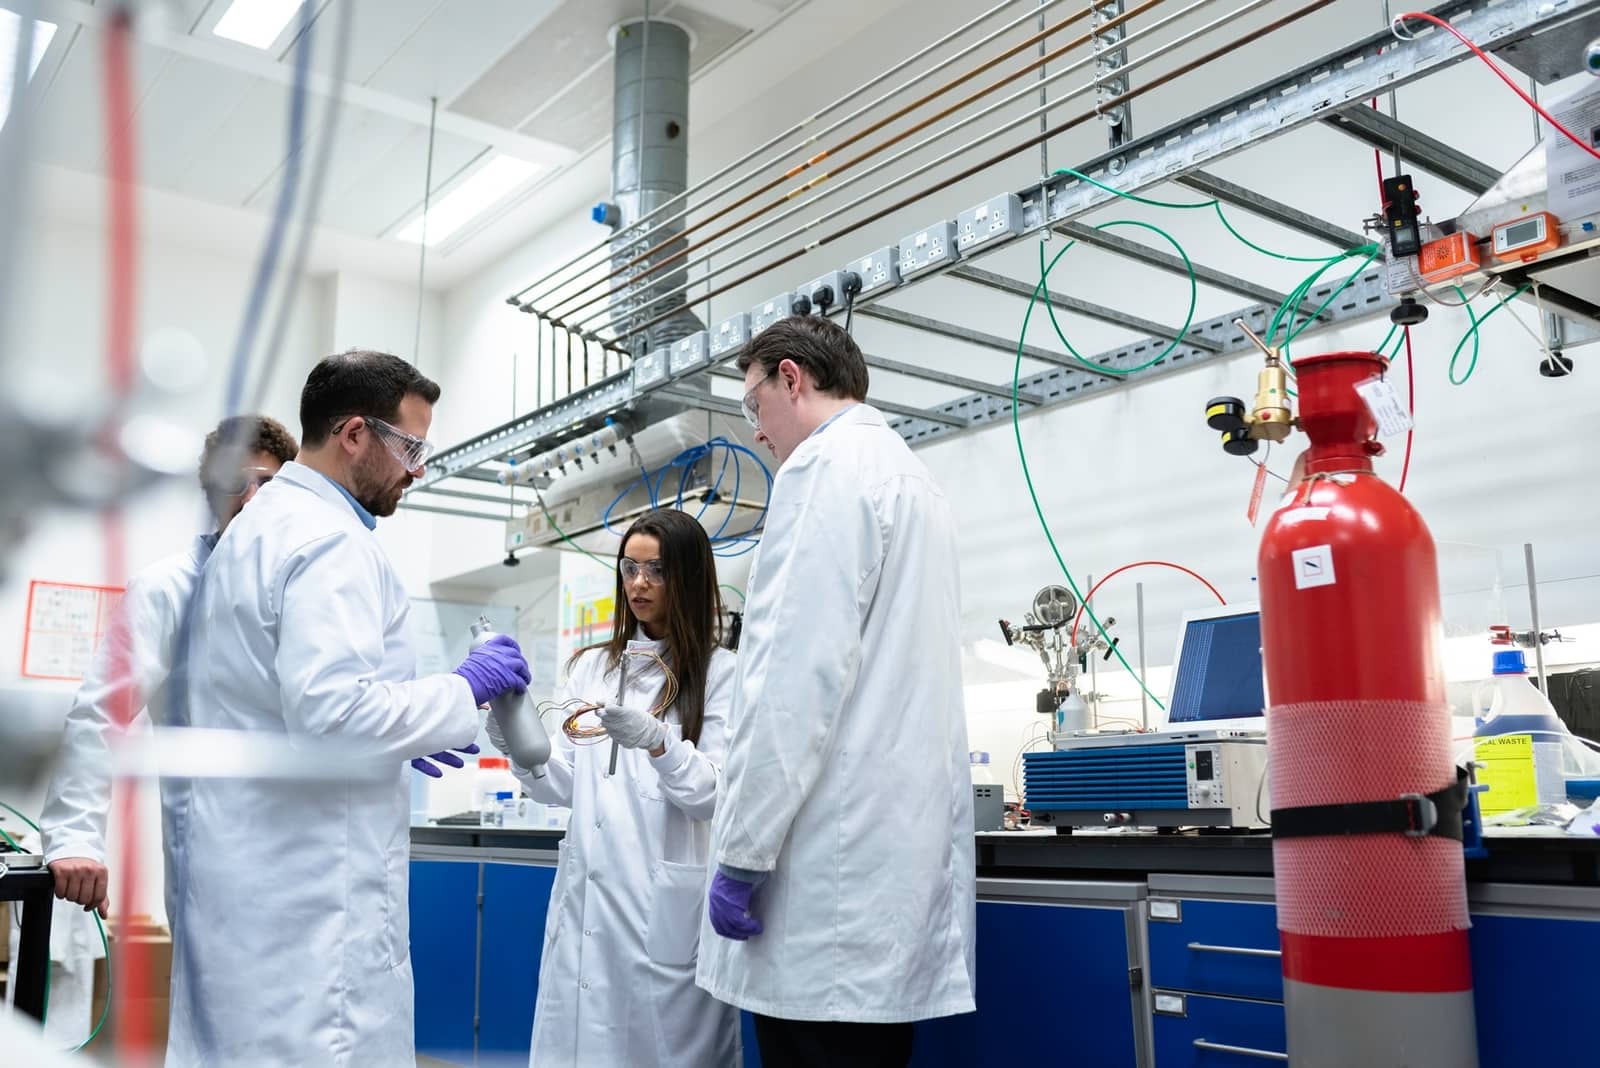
{"x":812,"y":1044}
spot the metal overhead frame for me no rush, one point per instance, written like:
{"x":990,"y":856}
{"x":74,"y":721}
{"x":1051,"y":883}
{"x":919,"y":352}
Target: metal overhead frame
{"x":1374,"y":128}
{"x":944,"y":378}
{"x":1166,"y":261}
{"x":1314,"y":92}
{"x":962,"y":333}
{"x":1272,"y":210}
{"x":720,"y":404}
{"x":1365,"y":297}
{"x":1007,"y":284}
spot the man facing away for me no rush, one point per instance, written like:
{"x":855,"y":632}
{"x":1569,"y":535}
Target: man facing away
{"x":841,"y":921}
{"x":134,"y":665}
{"x":294,"y":947}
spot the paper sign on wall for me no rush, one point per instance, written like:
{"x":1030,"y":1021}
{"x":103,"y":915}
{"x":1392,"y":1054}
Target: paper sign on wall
{"x":65,"y":624}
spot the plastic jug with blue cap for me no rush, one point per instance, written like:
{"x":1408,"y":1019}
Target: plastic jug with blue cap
{"x":1519,"y":743}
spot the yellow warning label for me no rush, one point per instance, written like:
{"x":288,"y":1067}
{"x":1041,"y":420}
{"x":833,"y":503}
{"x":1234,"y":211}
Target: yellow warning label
{"x":1506,"y":766}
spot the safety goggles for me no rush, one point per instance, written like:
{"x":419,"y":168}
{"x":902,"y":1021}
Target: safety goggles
{"x":411,"y":451}
{"x":631,"y":569}
{"x":248,"y":479}
{"x":752,"y":410}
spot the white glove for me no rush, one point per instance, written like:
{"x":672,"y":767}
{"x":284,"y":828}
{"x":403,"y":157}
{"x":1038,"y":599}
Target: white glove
{"x":497,"y":738}
{"x":633,"y":729}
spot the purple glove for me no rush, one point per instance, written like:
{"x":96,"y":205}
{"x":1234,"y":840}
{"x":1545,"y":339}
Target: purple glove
{"x":423,"y":765}
{"x":494,"y":668}
{"x":730,"y":908}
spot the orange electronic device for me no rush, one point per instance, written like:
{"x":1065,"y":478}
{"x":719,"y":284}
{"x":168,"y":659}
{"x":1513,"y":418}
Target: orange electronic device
{"x":1527,"y":238}
{"x":1448,"y":257}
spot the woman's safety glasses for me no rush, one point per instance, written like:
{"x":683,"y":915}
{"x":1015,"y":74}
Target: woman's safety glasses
{"x":632,"y":569}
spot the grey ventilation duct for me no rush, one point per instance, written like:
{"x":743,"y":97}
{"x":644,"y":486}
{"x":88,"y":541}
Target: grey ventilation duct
{"x":650,"y":166}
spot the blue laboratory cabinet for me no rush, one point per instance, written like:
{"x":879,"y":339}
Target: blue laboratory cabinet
{"x":477,"y":927}
{"x":1217,"y":996}
{"x":1158,"y":971}
{"x":1046,"y":945}
{"x":1077,"y":944}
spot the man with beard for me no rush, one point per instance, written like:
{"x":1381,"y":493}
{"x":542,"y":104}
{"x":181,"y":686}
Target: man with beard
{"x":295,"y":942}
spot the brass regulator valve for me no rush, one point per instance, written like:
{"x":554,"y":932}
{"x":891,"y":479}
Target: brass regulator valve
{"x":1270,"y":418}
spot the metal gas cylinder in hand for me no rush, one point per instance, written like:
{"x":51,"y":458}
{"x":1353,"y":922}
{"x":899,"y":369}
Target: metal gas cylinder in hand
{"x":518,"y":718}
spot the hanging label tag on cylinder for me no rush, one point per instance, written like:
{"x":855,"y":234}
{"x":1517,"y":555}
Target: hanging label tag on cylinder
{"x":1385,"y":405}
{"x":1256,"y":491}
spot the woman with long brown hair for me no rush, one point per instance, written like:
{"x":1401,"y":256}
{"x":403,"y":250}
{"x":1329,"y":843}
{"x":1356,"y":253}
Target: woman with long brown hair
{"x":616,"y":979}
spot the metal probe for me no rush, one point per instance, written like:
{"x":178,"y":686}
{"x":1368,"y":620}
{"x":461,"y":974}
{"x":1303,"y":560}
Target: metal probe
{"x":622,"y":688}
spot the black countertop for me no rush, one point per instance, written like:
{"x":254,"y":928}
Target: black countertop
{"x":1512,"y":859}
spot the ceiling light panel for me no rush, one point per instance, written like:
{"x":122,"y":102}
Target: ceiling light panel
{"x":257,"y":23}
{"x":482,"y":190}
{"x":10,"y":32}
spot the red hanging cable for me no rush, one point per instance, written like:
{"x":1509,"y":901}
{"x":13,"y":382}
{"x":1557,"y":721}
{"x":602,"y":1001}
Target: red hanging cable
{"x":1411,"y":407}
{"x":1515,"y":88}
{"x":131,"y":974}
{"x":1108,"y":576}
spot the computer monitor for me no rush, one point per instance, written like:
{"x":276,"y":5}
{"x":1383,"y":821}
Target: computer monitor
{"x":1218,"y":678}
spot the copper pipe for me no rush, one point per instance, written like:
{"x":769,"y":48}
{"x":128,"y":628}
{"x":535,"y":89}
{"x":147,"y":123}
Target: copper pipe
{"x":516,"y":298}
{"x":860,"y":135}
{"x":945,"y":183}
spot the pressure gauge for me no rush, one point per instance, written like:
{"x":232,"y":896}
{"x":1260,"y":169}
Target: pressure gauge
{"x":1525,"y":238}
{"x":1054,"y":605}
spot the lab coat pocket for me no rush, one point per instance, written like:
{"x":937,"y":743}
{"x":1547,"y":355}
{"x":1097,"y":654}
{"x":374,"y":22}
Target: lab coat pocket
{"x":677,"y":897}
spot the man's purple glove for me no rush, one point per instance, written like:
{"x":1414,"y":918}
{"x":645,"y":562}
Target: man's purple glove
{"x":730,"y":907}
{"x":494,"y":668}
{"x":423,"y":765}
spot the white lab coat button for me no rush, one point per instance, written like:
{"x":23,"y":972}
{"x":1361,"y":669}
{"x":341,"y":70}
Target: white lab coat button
{"x":586,"y":934}
{"x":584,"y":984}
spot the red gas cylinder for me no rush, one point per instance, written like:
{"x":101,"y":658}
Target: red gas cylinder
{"x":1372,"y":916}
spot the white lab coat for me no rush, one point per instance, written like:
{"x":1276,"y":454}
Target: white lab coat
{"x":616,"y":978}
{"x":847,"y":773}
{"x":294,"y":947}
{"x":138,"y":652}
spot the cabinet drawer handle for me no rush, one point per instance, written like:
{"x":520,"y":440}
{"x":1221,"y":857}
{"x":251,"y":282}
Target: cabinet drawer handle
{"x":1243,"y":1051}
{"x":1236,"y":951}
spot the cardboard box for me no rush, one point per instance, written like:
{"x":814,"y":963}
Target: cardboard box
{"x":156,"y":1007}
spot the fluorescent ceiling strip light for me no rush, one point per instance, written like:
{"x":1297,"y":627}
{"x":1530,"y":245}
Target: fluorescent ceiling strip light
{"x":257,"y":23}
{"x":485,"y":188}
{"x":10,"y":32}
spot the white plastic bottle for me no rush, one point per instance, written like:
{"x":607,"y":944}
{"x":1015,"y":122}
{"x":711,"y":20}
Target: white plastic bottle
{"x":1072,"y":714}
{"x":505,"y":806}
{"x":1510,"y":708}
{"x":978,"y":764}
{"x":494,"y":775}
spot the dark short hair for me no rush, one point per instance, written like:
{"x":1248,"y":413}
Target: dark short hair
{"x":820,"y":346}
{"x":358,"y":382}
{"x":247,"y":434}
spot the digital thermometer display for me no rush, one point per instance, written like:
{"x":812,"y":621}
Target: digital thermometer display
{"x":1527,"y":237}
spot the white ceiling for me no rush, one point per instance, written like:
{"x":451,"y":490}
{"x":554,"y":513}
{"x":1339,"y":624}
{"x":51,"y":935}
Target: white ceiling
{"x":531,"y":78}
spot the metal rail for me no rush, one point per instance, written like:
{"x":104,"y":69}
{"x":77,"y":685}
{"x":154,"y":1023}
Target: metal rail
{"x":1006,"y":284}
{"x":1374,"y":128}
